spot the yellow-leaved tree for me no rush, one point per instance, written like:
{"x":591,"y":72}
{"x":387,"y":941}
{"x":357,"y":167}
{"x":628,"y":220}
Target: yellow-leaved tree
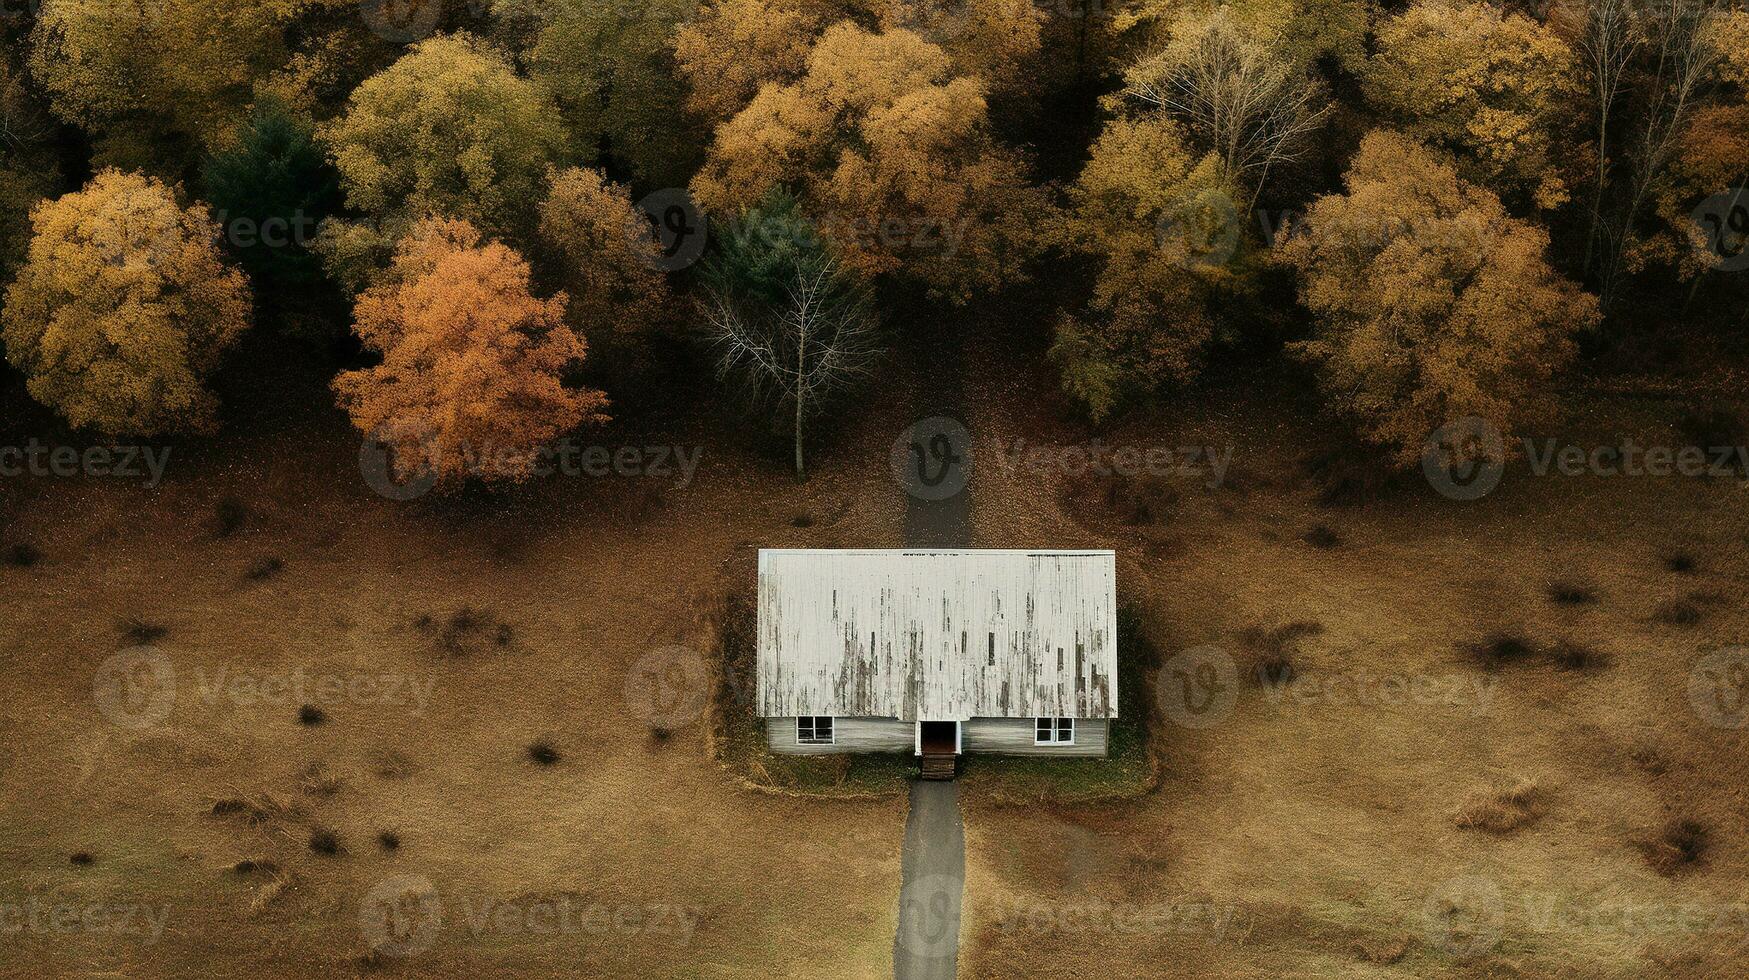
{"x":730,"y":49}
{"x":1432,"y":303}
{"x":449,"y":129}
{"x":123,"y":308}
{"x":1302,"y":31}
{"x":893,"y":157}
{"x":470,"y":382}
{"x":1496,"y":89}
{"x":1162,"y":226}
{"x":154,"y":82}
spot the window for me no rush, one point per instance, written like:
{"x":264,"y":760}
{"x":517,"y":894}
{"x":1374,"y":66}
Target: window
{"x":1054,"y":731}
{"x":814,"y":730}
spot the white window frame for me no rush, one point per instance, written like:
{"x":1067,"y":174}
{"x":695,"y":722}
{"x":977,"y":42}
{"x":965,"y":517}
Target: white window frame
{"x":1056,"y":727}
{"x":831,"y":726}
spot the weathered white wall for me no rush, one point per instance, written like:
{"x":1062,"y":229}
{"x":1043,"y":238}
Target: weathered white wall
{"x":1013,"y":736}
{"x":1010,"y":736}
{"x":853,"y":735}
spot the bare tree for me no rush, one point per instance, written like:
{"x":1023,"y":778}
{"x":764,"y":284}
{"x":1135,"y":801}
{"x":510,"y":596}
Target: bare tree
{"x":1611,"y":37}
{"x":1254,"y":108}
{"x":819,"y":340}
{"x":1682,"y":63}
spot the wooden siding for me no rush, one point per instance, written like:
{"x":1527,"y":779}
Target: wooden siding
{"x":912,"y":634}
{"x":1008,"y":736}
{"x":851,"y":734}
{"x":1013,"y":736}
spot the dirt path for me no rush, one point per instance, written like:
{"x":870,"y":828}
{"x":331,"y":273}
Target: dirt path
{"x":936,"y":477}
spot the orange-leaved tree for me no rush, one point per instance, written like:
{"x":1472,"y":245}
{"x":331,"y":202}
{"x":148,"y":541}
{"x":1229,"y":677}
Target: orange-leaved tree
{"x":1432,"y":303}
{"x":471,"y":378}
{"x":123,"y":307}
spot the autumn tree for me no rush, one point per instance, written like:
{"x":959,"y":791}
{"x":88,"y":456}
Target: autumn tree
{"x":123,"y":308}
{"x":448,"y":129}
{"x":1495,"y":89}
{"x":616,"y":82}
{"x":155,"y":81}
{"x":470,"y":381}
{"x":592,"y":240}
{"x":1432,"y":303}
{"x":892,"y":153}
{"x":787,"y":320}
{"x":29,"y":170}
{"x":1300,"y":32}
{"x":1161,"y":226}
{"x":1237,"y":94}
{"x":730,"y":49}
{"x":1681,"y":112}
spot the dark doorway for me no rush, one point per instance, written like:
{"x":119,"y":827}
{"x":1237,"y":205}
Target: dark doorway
{"x":941,"y":737}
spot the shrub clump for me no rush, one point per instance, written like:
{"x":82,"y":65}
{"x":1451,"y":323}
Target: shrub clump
{"x":1501,"y":810}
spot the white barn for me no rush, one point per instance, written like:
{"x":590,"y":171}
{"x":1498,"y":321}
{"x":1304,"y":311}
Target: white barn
{"x":937,"y":652}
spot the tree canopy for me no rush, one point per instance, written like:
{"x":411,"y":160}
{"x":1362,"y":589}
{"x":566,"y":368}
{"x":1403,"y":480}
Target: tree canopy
{"x":471,"y":380}
{"x":1431,"y":302}
{"x":124,"y":307}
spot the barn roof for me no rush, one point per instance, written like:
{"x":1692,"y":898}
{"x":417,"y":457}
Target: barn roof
{"x":938,"y":635}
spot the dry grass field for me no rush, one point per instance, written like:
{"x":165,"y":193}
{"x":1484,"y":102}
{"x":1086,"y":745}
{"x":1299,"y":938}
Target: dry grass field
{"x":454,"y":640}
{"x":1486,"y":763}
{"x":1552,"y":806}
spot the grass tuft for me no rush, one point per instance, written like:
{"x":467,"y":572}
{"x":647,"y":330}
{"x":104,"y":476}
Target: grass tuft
{"x":1321,"y":536}
{"x":310,"y":715}
{"x":1572,"y":655}
{"x":1497,"y":649}
{"x":1271,"y":652}
{"x":389,"y":840}
{"x":1501,"y":810}
{"x":23,"y":555}
{"x":1571,"y":594}
{"x":1681,"y":563}
{"x":1679,"y":612}
{"x":262,"y":569}
{"x":257,"y":809}
{"x":543,"y":752}
{"x":80,"y":858}
{"x":251,"y":865}
{"x":1679,"y":844}
{"x":138,"y":631}
{"x":324,"y":841}
{"x":229,"y":516}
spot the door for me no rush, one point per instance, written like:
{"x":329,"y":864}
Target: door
{"x":938,"y":737}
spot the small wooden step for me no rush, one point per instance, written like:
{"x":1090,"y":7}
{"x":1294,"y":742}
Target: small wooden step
{"x":939,"y":766}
